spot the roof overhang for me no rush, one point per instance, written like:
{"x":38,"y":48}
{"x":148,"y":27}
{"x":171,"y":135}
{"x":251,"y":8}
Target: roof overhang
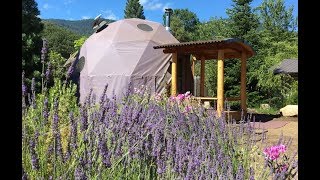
{"x":209,"y":49}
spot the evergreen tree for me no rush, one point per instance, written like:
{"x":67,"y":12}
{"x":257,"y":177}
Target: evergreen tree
{"x":184,"y":24}
{"x":276,"y":19}
{"x":243,"y":25}
{"x":242,"y":18}
{"x":134,"y":10}
{"x":31,"y":41}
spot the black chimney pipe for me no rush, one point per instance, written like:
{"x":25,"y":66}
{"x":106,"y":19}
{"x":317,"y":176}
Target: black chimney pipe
{"x":168,"y":14}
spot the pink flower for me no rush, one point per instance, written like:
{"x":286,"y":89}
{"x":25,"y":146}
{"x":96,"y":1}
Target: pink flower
{"x":282,"y":148}
{"x":188,"y":108}
{"x":157,"y":97}
{"x":187,"y":94}
{"x":273,"y":152}
{"x":284,"y":167}
{"x":180,"y":97}
{"x":172,"y":98}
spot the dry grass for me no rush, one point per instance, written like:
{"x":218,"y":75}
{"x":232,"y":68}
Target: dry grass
{"x":290,"y":130}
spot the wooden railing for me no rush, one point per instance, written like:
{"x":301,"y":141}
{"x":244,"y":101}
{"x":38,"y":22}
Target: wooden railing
{"x":215,"y":98}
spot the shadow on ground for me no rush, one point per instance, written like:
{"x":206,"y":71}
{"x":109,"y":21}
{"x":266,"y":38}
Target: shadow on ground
{"x":262,"y":117}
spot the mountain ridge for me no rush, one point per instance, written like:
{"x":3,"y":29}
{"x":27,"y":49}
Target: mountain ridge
{"x":82,"y":27}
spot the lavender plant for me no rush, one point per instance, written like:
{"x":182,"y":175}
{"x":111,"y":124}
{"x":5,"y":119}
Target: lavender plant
{"x":138,"y":137}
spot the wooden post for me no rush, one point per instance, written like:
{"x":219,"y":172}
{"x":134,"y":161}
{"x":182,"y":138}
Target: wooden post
{"x":193,"y":65}
{"x":243,"y":92}
{"x":174,"y":74}
{"x":202,"y":76}
{"x":220,"y":83}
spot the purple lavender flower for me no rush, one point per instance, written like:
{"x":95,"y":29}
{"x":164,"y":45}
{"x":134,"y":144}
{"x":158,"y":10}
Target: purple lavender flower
{"x":73,"y":134}
{"x":44,"y":50}
{"x":103,"y":95}
{"x":50,"y":150}
{"x":34,"y":158}
{"x":161,"y":168}
{"x":240,"y":173}
{"x":55,"y":129}
{"x":33,"y":93}
{"x":48,"y":72}
{"x":24,"y":175}
{"x":84,"y":119}
{"x":24,"y":87}
{"x":105,"y":154}
{"x":118,"y":151}
{"x":45,"y":112}
{"x":68,"y":154}
{"x":251,"y":174}
{"x":79,"y":174}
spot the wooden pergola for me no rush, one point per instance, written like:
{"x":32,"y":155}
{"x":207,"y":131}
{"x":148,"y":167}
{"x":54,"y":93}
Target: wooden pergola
{"x":213,"y":49}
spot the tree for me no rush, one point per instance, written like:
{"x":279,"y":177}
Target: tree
{"x":276,"y":19}
{"x":183,"y":24}
{"x":31,"y":41}
{"x":242,"y":18}
{"x":60,"y":39}
{"x":134,"y":10}
{"x":242,"y":25}
{"x":212,"y":29}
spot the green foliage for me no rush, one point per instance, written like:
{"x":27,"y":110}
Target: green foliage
{"x":242,"y":19}
{"x":275,"y":87}
{"x":79,"y":42}
{"x":275,"y":17}
{"x":31,"y":41}
{"x":134,"y":9}
{"x":59,"y":39}
{"x":57,"y":62}
{"x":291,"y":96}
{"x":31,"y":24}
{"x":38,"y":129}
{"x":82,"y":27}
{"x":212,"y":29}
{"x":183,"y":25}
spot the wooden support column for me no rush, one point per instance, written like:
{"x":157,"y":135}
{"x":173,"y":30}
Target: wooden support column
{"x":193,"y":65}
{"x":202,"y":76}
{"x":220,"y":83}
{"x":243,"y":91}
{"x":174,"y":74}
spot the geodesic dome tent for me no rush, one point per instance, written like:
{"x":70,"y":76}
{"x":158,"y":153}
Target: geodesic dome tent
{"x":122,"y":53}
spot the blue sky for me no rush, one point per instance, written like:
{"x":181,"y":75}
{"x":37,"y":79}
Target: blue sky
{"x":153,"y":9}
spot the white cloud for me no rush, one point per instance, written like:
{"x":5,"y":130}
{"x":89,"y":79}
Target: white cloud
{"x":143,"y":2}
{"x":85,"y":17}
{"x":39,"y":16}
{"x":154,"y":5}
{"x":108,"y":14}
{"x":46,"y":6}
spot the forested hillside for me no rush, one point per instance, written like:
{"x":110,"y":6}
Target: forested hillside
{"x":81,"y":27}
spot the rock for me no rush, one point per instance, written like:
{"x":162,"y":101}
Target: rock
{"x":289,"y":110}
{"x":251,"y":111}
{"x":264,"y":106}
{"x":206,"y":104}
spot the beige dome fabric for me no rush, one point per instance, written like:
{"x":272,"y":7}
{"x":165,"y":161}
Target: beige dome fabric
{"x":123,"y":53}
